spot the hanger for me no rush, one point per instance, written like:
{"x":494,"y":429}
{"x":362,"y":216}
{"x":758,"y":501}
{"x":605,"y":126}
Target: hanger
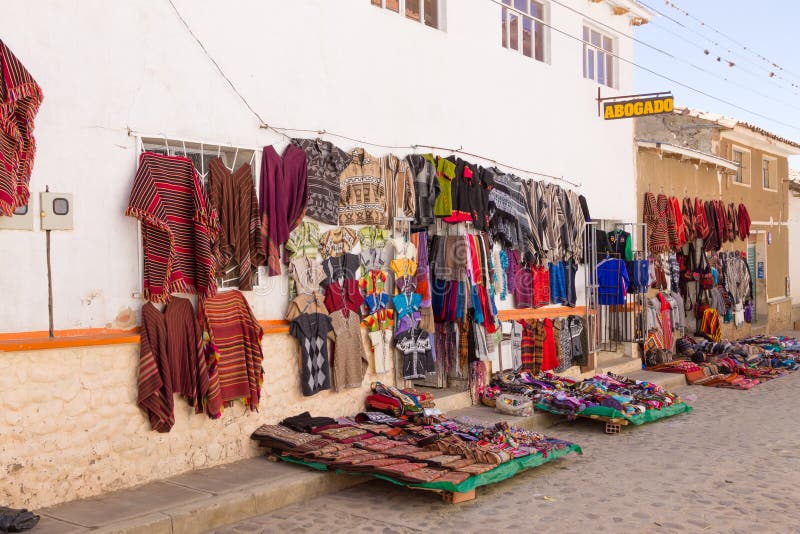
{"x":166,"y":143}
{"x":233,"y":163}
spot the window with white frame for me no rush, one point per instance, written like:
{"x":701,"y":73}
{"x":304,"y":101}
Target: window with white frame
{"x":523,"y":29}
{"x":742,"y":158}
{"x":429,"y":12}
{"x":599,"y":61}
{"x":769,"y":173}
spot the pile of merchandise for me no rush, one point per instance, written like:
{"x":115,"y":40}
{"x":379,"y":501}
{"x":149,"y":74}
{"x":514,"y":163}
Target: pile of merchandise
{"x":739,"y":365}
{"x":434,"y":452}
{"x":607,"y":395}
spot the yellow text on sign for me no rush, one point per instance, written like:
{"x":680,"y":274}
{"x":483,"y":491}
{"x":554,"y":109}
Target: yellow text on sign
{"x":638,"y":108}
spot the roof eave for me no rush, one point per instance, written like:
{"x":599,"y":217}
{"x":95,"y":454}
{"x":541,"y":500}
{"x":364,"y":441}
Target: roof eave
{"x":688,"y":153}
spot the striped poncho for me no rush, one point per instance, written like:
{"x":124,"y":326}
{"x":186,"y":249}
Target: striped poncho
{"x":233,"y":197}
{"x":20,"y":98}
{"x":233,"y":351}
{"x":177,"y":227}
{"x":171,"y":360}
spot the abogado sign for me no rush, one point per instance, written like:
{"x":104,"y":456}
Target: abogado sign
{"x":637,"y":108}
{"x":630,"y":106}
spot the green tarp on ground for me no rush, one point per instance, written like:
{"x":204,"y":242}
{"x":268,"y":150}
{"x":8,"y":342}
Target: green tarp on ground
{"x":499,"y":473}
{"x":638,"y":419}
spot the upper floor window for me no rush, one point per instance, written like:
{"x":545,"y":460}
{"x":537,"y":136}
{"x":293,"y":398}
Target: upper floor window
{"x":427,"y":11}
{"x":599,"y":63}
{"x":742,"y":157}
{"x":769,"y":173}
{"x":523,"y":30}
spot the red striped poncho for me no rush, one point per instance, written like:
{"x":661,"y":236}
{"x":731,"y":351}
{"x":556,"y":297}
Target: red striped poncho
{"x":171,"y":360}
{"x":233,"y":351}
{"x":177,"y":227}
{"x":20,"y":98}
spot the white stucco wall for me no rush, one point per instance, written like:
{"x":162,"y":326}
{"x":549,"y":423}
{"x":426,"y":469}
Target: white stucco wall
{"x":345,"y":66}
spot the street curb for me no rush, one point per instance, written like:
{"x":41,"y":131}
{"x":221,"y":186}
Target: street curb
{"x":219,"y":510}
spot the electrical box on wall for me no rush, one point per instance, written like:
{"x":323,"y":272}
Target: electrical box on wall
{"x":21,"y":220}
{"x":56,"y":211}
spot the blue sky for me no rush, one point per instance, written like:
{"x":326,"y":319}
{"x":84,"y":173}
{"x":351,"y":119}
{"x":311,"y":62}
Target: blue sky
{"x":768,"y":27}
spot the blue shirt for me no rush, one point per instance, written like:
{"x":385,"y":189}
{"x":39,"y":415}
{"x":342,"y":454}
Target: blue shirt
{"x":613,"y":282}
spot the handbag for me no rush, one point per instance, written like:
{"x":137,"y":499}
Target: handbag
{"x":703,"y":273}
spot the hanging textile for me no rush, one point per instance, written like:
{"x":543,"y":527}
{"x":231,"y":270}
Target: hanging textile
{"x":234,"y":349}
{"x":549,"y":357}
{"x":171,"y":360}
{"x":426,"y":188}
{"x":337,"y":241}
{"x":20,"y":98}
{"x":613,"y":282}
{"x":363,"y":185}
{"x":233,"y":196}
{"x":311,"y":332}
{"x":402,"y":198}
{"x":528,"y":345}
{"x":701,"y":222}
{"x":677,"y":221}
{"x":687,"y":213}
{"x":655,"y":217}
{"x":178,"y":227}
{"x":743,"y":222}
{"x":350,"y":361}
{"x":284,"y":195}
{"x":325,"y":162}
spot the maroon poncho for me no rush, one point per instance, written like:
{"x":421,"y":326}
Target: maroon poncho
{"x":20,"y":97}
{"x":233,"y":196}
{"x":171,"y":360}
{"x":177,"y":227}
{"x":284,"y":194}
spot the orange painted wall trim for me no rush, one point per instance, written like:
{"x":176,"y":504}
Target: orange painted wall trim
{"x":93,"y":337}
{"x":540,"y":313}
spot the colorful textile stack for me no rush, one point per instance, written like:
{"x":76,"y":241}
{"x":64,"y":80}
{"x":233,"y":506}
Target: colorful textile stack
{"x":20,"y":98}
{"x":738,"y":365}
{"x":604,"y":395}
{"x":178,"y":227}
{"x":233,"y":350}
{"x":438,"y":452}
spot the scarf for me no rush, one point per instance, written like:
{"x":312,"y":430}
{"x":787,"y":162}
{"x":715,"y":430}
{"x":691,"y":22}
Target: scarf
{"x":672,"y":222}
{"x":284,"y":195}
{"x":20,"y":98}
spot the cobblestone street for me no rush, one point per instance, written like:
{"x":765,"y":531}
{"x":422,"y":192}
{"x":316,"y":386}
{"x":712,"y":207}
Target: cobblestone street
{"x":730,"y":466}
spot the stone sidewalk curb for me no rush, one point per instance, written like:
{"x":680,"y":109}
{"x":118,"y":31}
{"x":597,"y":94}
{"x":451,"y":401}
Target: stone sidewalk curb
{"x":198,"y":501}
{"x":210,"y":510}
